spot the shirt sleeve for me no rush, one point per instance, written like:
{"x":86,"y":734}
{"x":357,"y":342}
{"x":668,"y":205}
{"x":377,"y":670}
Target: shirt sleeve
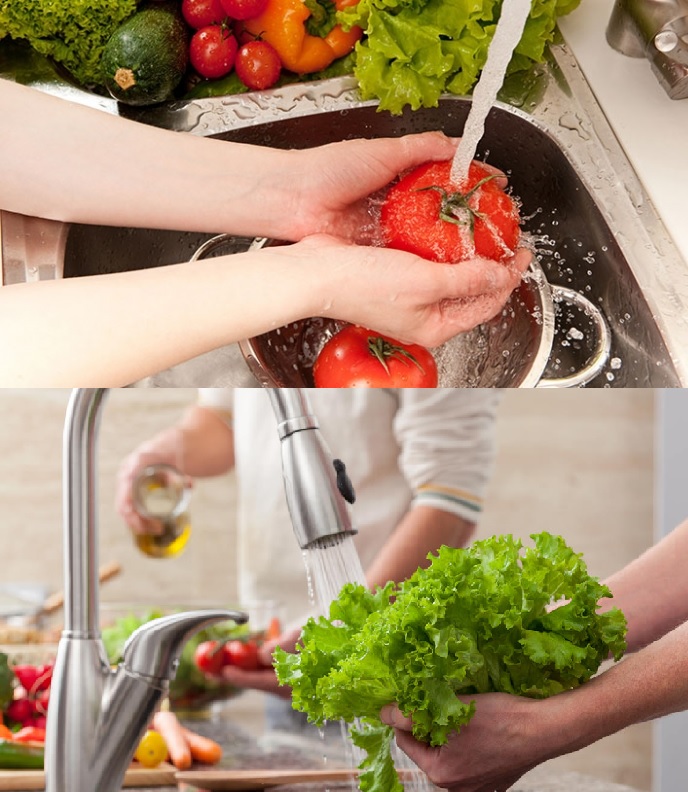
{"x":447,"y":438}
{"x":221,"y":400}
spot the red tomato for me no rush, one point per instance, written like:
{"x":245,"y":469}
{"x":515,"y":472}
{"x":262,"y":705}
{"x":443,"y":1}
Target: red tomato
{"x":258,"y":65}
{"x":212,"y":51}
{"x":244,"y":9}
{"x":209,"y":657}
{"x":359,"y":358}
{"x":243,"y":654}
{"x":201,"y":13}
{"x":426,"y":214}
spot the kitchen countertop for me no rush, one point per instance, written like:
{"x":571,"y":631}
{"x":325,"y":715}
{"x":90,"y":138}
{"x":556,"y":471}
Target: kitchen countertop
{"x":650,"y":126}
{"x":246,"y":749}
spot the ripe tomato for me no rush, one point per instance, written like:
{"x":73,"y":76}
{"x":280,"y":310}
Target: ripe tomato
{"x":424,"y":213}
{"x":212,"y":51}
{"x":244,"y":9}
{"x":359,"y":358}
{"x":258,"y":65}
{"x":201,"y":13}
{"x":243,"y":654}
{"x":151,"y":750}
{"x":209,"y":657}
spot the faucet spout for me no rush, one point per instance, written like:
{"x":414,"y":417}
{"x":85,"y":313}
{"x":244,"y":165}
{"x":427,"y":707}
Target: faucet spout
{"x":97,"y":714}
{"x":312,"y":478}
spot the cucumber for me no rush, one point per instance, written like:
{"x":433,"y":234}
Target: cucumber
{"x":146,"y":57}
{"x":19,"y":756}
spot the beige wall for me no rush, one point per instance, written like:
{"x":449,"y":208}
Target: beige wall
{"x":576,"y":462}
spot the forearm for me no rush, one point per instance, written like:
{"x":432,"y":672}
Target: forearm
{"x":652,"y":590}
{"x":115,"y":329}
{"x":422,"y":529}
{"x":207,"y":443}
{"x":643,"y":686}
{"x":84,"y":165}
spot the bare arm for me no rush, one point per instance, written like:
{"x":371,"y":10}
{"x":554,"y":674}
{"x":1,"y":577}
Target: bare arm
{"x":422,"y":529}
{"x":652,"y":590}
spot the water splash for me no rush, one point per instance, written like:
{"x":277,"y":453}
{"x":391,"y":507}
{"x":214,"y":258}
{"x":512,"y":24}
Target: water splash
{"x":507,"y":35}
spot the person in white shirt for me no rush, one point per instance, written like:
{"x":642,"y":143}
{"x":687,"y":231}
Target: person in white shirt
{"x":419,"y":460}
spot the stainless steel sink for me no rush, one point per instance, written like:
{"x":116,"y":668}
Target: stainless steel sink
{"x":594,"y":227}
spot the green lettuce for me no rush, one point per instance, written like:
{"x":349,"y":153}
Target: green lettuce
{"x":476,"y":620}
{"x":415,"y":50}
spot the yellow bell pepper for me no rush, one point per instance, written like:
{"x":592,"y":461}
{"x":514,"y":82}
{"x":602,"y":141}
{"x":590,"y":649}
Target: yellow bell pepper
{"x":283,"y":24}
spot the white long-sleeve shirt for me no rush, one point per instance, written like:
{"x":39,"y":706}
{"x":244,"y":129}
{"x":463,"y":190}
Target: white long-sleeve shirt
{"x":402,"y":448}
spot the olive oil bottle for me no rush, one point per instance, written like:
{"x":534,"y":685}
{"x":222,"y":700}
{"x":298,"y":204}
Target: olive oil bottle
{"x":161,"y":493}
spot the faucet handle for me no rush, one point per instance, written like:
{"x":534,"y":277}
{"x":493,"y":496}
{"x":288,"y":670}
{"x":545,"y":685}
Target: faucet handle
{"x":153,"y":649}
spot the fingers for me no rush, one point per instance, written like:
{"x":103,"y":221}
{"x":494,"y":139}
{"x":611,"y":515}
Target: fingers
{"x":392,"y":716}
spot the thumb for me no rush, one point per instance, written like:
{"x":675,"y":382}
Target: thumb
{"x":392,"y":716}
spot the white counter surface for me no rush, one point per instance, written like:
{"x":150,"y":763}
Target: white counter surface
{"x":651,"y":127}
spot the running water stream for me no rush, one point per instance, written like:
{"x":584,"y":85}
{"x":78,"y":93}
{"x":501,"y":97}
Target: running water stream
{"x":507,"y":35}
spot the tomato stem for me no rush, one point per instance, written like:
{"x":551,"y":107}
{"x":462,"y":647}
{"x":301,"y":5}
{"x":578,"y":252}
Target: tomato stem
{"x":455,"y":206}
{"x":382,"y":349}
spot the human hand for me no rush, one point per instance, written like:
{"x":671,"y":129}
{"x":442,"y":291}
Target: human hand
{"x":399,"y":294}
{"x":165,"y":448}
{"x":335,"y":180}
{"x":507,"y":736}
{"x":264,"y":678}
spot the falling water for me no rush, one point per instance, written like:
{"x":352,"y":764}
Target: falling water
{"x":330,"y":563}
{"x":507,"y":35}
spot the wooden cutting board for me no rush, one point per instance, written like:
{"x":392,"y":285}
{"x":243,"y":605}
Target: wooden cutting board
{"x":266,"y":779}
{"x":20,"y":780}
{"x":259,"y":779}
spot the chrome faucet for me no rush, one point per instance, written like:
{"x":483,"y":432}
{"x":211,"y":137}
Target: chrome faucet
{"x":97,"y":715}
{"x":658,"y":31}
{"x":316,"y":485}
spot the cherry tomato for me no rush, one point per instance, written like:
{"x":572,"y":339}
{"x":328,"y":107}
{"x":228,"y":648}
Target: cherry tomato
{"x":244,"y":9}
{"x":209,"y":657}
{"x":258,"y":65}
{"x":19,"y":710}
{"x":201,"y":13}
{"x":212,"y":51}
{"x":426,"y":214}
{"x":151,"y":749}
{"x":243,"y":654}
{"x":360,"y":358}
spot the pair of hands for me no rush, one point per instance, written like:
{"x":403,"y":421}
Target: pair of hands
{"x":397,"y":293}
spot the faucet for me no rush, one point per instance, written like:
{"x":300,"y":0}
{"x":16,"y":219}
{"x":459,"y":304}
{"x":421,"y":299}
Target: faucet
{"x":658,"y":31}
{"x":98,"y":714}
{"x":316,"y":485}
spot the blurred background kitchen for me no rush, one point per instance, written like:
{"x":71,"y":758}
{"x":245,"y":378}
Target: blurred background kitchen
{"x":575,"y":462}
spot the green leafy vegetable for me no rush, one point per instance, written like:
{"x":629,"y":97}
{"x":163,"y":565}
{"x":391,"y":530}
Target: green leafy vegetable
{"x":72,"y":32}
{"x":6,"y":682}
{"x":476,"y":620}
{"x":415,"y":50}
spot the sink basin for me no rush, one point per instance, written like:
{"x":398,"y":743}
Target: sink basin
{"x":595,"y":231}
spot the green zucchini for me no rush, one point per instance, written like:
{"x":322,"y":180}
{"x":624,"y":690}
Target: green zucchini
{"x":20,"y":756}
{"x":147,"y":56}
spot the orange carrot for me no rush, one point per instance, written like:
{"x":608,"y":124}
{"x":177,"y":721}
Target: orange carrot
{"x":274,"y":629}
{"x":203,"y":749}
{"x":166,"y":723}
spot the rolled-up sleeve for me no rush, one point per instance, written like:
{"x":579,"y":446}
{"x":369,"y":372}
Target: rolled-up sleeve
{"x":448,"y":446}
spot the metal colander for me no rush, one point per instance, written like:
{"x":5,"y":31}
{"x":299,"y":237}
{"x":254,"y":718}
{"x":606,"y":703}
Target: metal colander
{"x":510,"y":351}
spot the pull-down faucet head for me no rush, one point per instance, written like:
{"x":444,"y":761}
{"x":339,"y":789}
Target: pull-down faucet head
{"x":97,"y":715}
{"x":657,"y":30}
{"x":316,"y":485}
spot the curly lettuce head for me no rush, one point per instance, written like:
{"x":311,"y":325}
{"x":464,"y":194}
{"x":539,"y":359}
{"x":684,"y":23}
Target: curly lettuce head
{"x":415,"y":50}
{"x":477,"y":620}
{"x":72,"y":32}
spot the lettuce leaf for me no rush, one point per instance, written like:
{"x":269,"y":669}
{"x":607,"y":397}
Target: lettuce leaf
{"x":476,"y":620}
{"x":415,"y":50}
